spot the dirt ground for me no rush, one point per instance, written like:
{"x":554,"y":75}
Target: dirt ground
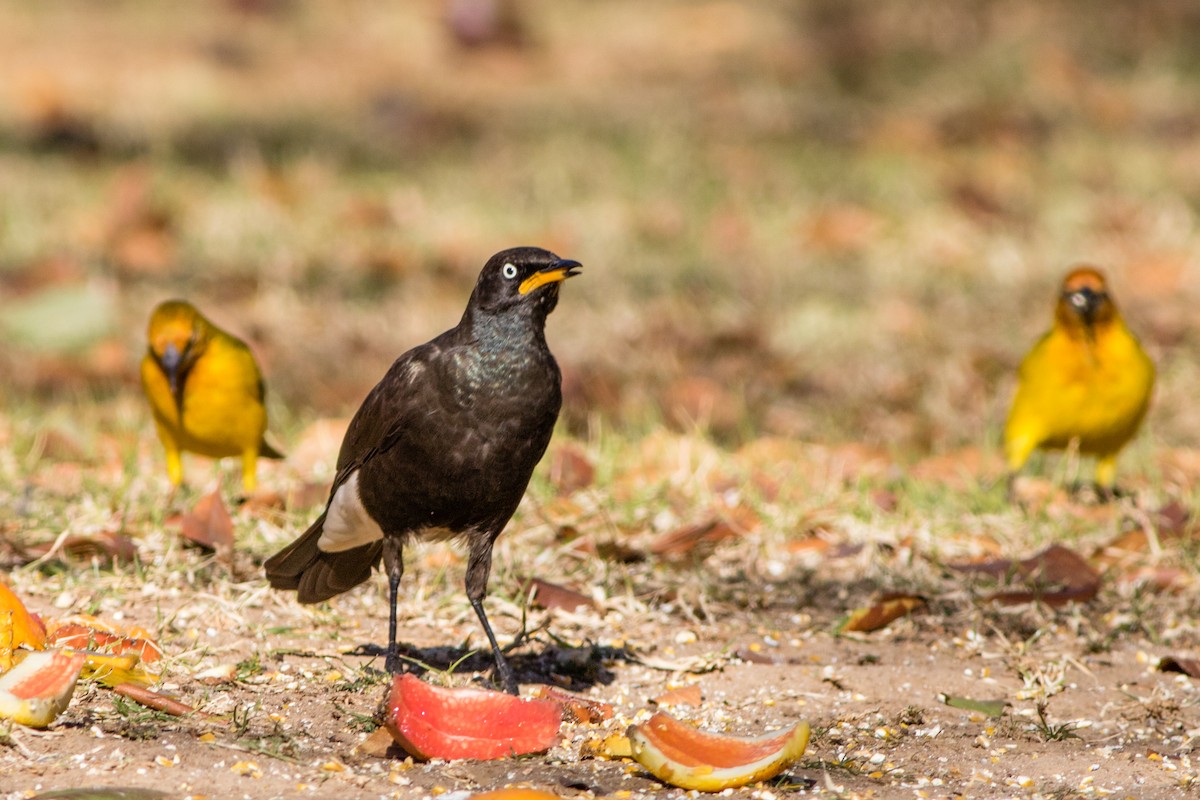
{"x":751,"y":620}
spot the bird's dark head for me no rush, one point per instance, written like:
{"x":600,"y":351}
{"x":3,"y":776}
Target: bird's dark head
{"x":522,"y":277}
{"x":1084,"y":302}
{"x":178,"y":335}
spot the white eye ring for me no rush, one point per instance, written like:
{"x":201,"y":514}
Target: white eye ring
{"x":509,"y":271}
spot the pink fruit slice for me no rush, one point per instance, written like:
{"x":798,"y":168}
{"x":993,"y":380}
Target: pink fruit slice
{"x":430,"y":722}
{"x":684,"y":756}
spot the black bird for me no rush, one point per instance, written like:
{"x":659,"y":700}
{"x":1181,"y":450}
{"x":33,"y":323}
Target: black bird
{"x":443,"y":446}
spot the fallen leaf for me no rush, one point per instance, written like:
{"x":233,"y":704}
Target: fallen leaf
{"x":1188,"y":666}
{"x":315,"y":453}
{"x":576,"y":708}
{"x":692,"y":540}
{"x":885,"y":500}
{"x":105,"y":547}
{"x":1159,"y":579}
{"x":210,"y":526}
{"x":682,"y":696}
{"x":570,"y":469}
{"x":990,"y":708}
{"x":1055,"y":576}
{"x":865,"y":620}
{"x":155,"y":700}
{"x":380,"y":744}
{"x":754,"y":656}
{"x":553,"y":596}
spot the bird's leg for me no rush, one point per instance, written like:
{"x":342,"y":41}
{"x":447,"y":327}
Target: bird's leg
{"x":393,"y":562}
{"x":174,"y":463}
{"x":250,"y":470}
{"x":479,"y":566}
{"x":1106,"y":477}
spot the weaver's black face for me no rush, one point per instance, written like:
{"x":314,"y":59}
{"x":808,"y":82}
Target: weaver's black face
{"x":522,"y":275}
{"x":1084,"y":300}
{"x":176,"y":340}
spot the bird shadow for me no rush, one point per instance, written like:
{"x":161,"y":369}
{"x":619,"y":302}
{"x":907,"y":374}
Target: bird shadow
{"x":532,"y":661}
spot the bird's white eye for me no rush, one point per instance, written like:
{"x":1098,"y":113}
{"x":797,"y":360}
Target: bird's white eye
{"x":509,"y":271}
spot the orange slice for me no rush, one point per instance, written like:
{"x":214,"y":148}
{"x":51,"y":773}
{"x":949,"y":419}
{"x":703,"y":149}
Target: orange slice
{"x":684,"y":756}
{"x":515,"y":794}
{"x":38,"y":689}
{"x":18,"y":627}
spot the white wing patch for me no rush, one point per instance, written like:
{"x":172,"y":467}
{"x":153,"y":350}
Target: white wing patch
{"x":347,"y":523}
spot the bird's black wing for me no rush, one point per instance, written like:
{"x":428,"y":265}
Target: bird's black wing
{"x":410,"y":391}
{"x":398,"y":401}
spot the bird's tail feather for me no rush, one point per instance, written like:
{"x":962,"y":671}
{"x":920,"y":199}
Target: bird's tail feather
{"x":316,"y":575}
{"x":269,"y":450}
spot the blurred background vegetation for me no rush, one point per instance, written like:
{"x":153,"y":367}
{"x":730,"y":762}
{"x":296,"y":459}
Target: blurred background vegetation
{"x":836,"y":220}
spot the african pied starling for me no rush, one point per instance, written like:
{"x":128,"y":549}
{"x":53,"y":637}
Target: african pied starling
{"x":443,"y":446}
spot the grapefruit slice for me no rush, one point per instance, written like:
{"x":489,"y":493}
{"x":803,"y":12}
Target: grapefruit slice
{"x":429,"y":722}
{"x":38,"y":689}
{"x":684,"y":756}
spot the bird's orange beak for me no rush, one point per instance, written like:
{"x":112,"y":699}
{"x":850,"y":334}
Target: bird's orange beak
{"x":558,"y":271}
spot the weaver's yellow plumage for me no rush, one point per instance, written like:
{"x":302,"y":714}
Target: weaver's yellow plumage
{"x":205,"y":390}
{"x":1086,"y":381}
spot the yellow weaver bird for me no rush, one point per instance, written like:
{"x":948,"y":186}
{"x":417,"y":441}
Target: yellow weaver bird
{"x":205,"y":390}
{"x":1087,"y":381}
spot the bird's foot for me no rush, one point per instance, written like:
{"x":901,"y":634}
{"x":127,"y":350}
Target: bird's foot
{"x":504,"y":676}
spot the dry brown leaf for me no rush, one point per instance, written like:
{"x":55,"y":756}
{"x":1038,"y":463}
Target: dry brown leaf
{"x":692,"y":540}
{"x":751,"y":656}
{"x":683,"y":696}
{"x":865,"y":620}
{"x":380,"y":744}
{"x":841,"y":228}
{"x":1159,"y":579}
{"x":570,"y":469}
{"x":316,"y":448}
{"x":209,"y":525}
{"x":1055,"y":576}
{"x":1188,"y":666}
{"x":156,"y":700}
{"x":553,"y":596}
{"x":809,"y":544}
{"x":885,"y":500}
{"x":964,"y":467}
{"x":576,"y":708}
{"x":106,"y":547}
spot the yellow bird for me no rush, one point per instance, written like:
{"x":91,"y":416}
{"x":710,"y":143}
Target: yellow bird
{"x":1087,"y":381}
{"x":205,"y":390}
